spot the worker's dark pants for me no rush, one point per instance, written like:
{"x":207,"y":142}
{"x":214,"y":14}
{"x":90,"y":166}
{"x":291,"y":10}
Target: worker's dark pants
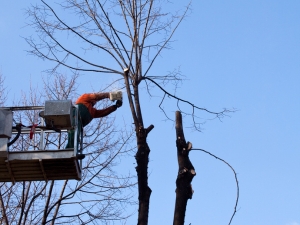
{"x":84,"y":118}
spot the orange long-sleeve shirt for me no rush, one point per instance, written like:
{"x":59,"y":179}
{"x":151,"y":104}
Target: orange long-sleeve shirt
{"x":90,"y":99}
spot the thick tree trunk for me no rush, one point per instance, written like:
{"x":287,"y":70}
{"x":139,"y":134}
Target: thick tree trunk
{"x":142,"y":159}
{"x":186,"y":173}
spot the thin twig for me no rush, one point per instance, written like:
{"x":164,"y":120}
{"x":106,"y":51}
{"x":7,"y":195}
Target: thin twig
{"x":235,"y":176}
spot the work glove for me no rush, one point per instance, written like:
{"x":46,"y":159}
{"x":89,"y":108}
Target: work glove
{"x":119,"y":103}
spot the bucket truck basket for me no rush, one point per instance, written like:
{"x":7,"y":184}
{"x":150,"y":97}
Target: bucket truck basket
{"x":40,"y":164}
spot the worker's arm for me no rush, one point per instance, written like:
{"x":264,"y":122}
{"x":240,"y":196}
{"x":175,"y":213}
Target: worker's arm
{"x":99,"y":96}
{"x":96,"y":113}
{"x":88,"y":98}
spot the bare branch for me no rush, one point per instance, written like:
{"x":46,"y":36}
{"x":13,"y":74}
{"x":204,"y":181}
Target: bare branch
{"x":168,"y":39}
{"x":3,"y":94}
{"x":235,"y":177}
{"x":218,"y":115}
{"x":69,"y":28}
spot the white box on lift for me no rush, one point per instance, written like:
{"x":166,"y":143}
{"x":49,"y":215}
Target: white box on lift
{"x":6,"y":120}
{"x":59,"y":113}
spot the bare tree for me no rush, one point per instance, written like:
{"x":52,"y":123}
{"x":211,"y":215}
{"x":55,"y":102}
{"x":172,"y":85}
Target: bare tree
{"x":3,"y":94}
{"x":102,"y":194}
{"x":128,"y":36}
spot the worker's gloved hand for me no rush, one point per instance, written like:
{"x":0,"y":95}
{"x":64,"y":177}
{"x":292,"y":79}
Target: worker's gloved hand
{"x":119,"y":103}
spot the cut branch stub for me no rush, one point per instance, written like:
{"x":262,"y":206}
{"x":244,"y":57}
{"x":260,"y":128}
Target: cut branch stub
{"x":185,"y":175}
{"x":179,"y":130}
{"x":148,"y":129}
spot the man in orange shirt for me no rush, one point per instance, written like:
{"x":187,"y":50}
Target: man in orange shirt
{"x":87,"y":112}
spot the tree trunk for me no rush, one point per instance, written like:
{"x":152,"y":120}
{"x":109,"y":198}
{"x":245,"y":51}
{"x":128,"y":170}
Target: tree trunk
{"x":186,"y":173}
{"x":142,"y":159}
{"x":3,"y":210}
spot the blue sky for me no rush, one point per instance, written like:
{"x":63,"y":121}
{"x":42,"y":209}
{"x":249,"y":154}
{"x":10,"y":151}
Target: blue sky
{"x":235,"y":54}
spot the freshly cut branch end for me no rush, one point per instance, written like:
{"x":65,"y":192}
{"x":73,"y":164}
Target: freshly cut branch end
{"x":148,"y":129}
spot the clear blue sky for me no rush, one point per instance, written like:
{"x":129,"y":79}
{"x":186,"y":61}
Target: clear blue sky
{"x":241,"y":54}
